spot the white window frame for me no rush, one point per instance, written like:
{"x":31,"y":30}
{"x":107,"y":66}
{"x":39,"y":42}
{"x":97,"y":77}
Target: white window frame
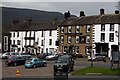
{"x":87,"y":38}
{"x":62,"y":39}
{"x":77,"y":39}
{"x":77,"y":27}
{"x":69,"y":29}
{"x":62,"y":29}
{"x":69,"y":39}
{"x":87,"y":28}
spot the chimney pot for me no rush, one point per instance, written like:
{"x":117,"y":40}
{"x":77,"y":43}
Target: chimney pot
{"x":116,"y":12}
{"x":101,"y":11}
{"x":67,"y":15}
{"x":82,"y":13}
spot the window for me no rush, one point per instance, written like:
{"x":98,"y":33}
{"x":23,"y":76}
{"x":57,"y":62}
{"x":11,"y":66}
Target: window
{"x":88,"y":28}
{"x":69,"y":29}
{"x":18,"y":42}
{"x":102,"y":27}
{"x":82,"y":39}
{"x":62,"y":29}
{"x":42,"y":50}
{"x":87,"y":39}
{"x":62,"y":39}
{"x":46,"y":50}
{"x":5,"y":43}
{"x":69,"y":39}
{"x":111,"y":37}
{"x":50,"y":33}
{"x":77,"y":29}
{"x":111,"y":27}
{"x":14,"y":34}
{"x":42,"y":34}
{"x":42,"y":43}
{"x":50,"y":41}
{"x":102,"y":36}
{"x":14,"y":42}
{"x":17,"y":34}
{"x":77,"y":39}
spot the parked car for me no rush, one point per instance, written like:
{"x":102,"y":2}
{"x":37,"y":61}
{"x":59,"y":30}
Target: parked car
{"x":9,"y":54}
{"x":43,"y":55}
{"x":25,"y":56}
{"x":35,"y":62}
{"x":52,"y":57}
{"x":14,"y":61}
{"x":65,"y":63}
{"x":97,"y":57}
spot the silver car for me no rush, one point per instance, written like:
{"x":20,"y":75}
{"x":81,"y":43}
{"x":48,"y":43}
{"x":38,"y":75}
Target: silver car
{"x":24,"y":56}
{"x":97,"y":57}
{"x":8,"y":55}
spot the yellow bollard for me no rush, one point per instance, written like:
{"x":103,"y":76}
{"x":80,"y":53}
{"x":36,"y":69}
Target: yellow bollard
{"x":17,"y":72}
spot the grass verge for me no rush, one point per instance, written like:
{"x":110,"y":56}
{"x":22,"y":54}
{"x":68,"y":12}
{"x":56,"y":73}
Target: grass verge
{"x":97,"y":71}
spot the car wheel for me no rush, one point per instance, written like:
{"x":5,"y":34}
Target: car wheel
{"x":45,"y":64}
{"x":34,"y":66}
{"x":15,"y":64}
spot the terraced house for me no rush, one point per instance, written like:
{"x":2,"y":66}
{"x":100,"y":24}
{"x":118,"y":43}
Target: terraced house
{"x":75,"y":34}
{"x":34,"y":37}
{"x":96,"y":33}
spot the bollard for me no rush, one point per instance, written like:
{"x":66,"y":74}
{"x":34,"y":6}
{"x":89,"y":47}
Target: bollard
{"x":17,"y":72}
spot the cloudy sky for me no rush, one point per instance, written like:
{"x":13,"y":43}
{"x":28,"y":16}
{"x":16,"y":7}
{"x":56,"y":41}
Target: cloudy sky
{"x":91,"y":8}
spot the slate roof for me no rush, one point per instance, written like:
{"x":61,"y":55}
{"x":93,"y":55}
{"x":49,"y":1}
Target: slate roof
{"x":35,"y":26}
{"x":95,"y":19}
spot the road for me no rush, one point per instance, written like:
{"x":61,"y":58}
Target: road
{"x":47,"y":72}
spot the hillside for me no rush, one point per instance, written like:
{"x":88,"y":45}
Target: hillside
{"x":9,"y":14}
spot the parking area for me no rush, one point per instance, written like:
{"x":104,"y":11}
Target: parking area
{"x":48,"y":70}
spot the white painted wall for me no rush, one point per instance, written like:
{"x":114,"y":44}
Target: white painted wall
{"x":107,"y":31}
{"x":38,"y":38}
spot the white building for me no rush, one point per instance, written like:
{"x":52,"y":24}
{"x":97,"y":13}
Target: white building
{"x":105,"y":33}
{"x":34,"y":37}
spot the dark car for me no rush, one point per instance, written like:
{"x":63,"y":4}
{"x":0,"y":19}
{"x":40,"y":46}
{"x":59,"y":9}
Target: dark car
{"x":14,"y":61}
{"x":64,"y":63}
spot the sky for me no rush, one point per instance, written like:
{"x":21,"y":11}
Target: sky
{"x":90,"y":7}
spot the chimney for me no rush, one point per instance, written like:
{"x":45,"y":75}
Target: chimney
{"x":116,"y":12}
{"x":67,"y":15}
{"x":82,"y":13}
{"x":101,"y":11}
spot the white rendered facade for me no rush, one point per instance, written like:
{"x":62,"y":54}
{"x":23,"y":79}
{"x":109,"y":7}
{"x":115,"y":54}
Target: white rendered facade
{"x":46,"y":42}
{"x":97,"y":36}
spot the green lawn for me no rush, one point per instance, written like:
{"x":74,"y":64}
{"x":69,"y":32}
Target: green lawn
{"x":96,"y":71}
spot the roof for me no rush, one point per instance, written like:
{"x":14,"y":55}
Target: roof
{"x":35,"y":26}
{"x":95,"y":19}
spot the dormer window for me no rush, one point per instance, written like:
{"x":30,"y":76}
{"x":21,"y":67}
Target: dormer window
{"x":69,"y":29}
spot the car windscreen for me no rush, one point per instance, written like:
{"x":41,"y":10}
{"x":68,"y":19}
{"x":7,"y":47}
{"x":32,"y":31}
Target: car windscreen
{"x":62,"y":60}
